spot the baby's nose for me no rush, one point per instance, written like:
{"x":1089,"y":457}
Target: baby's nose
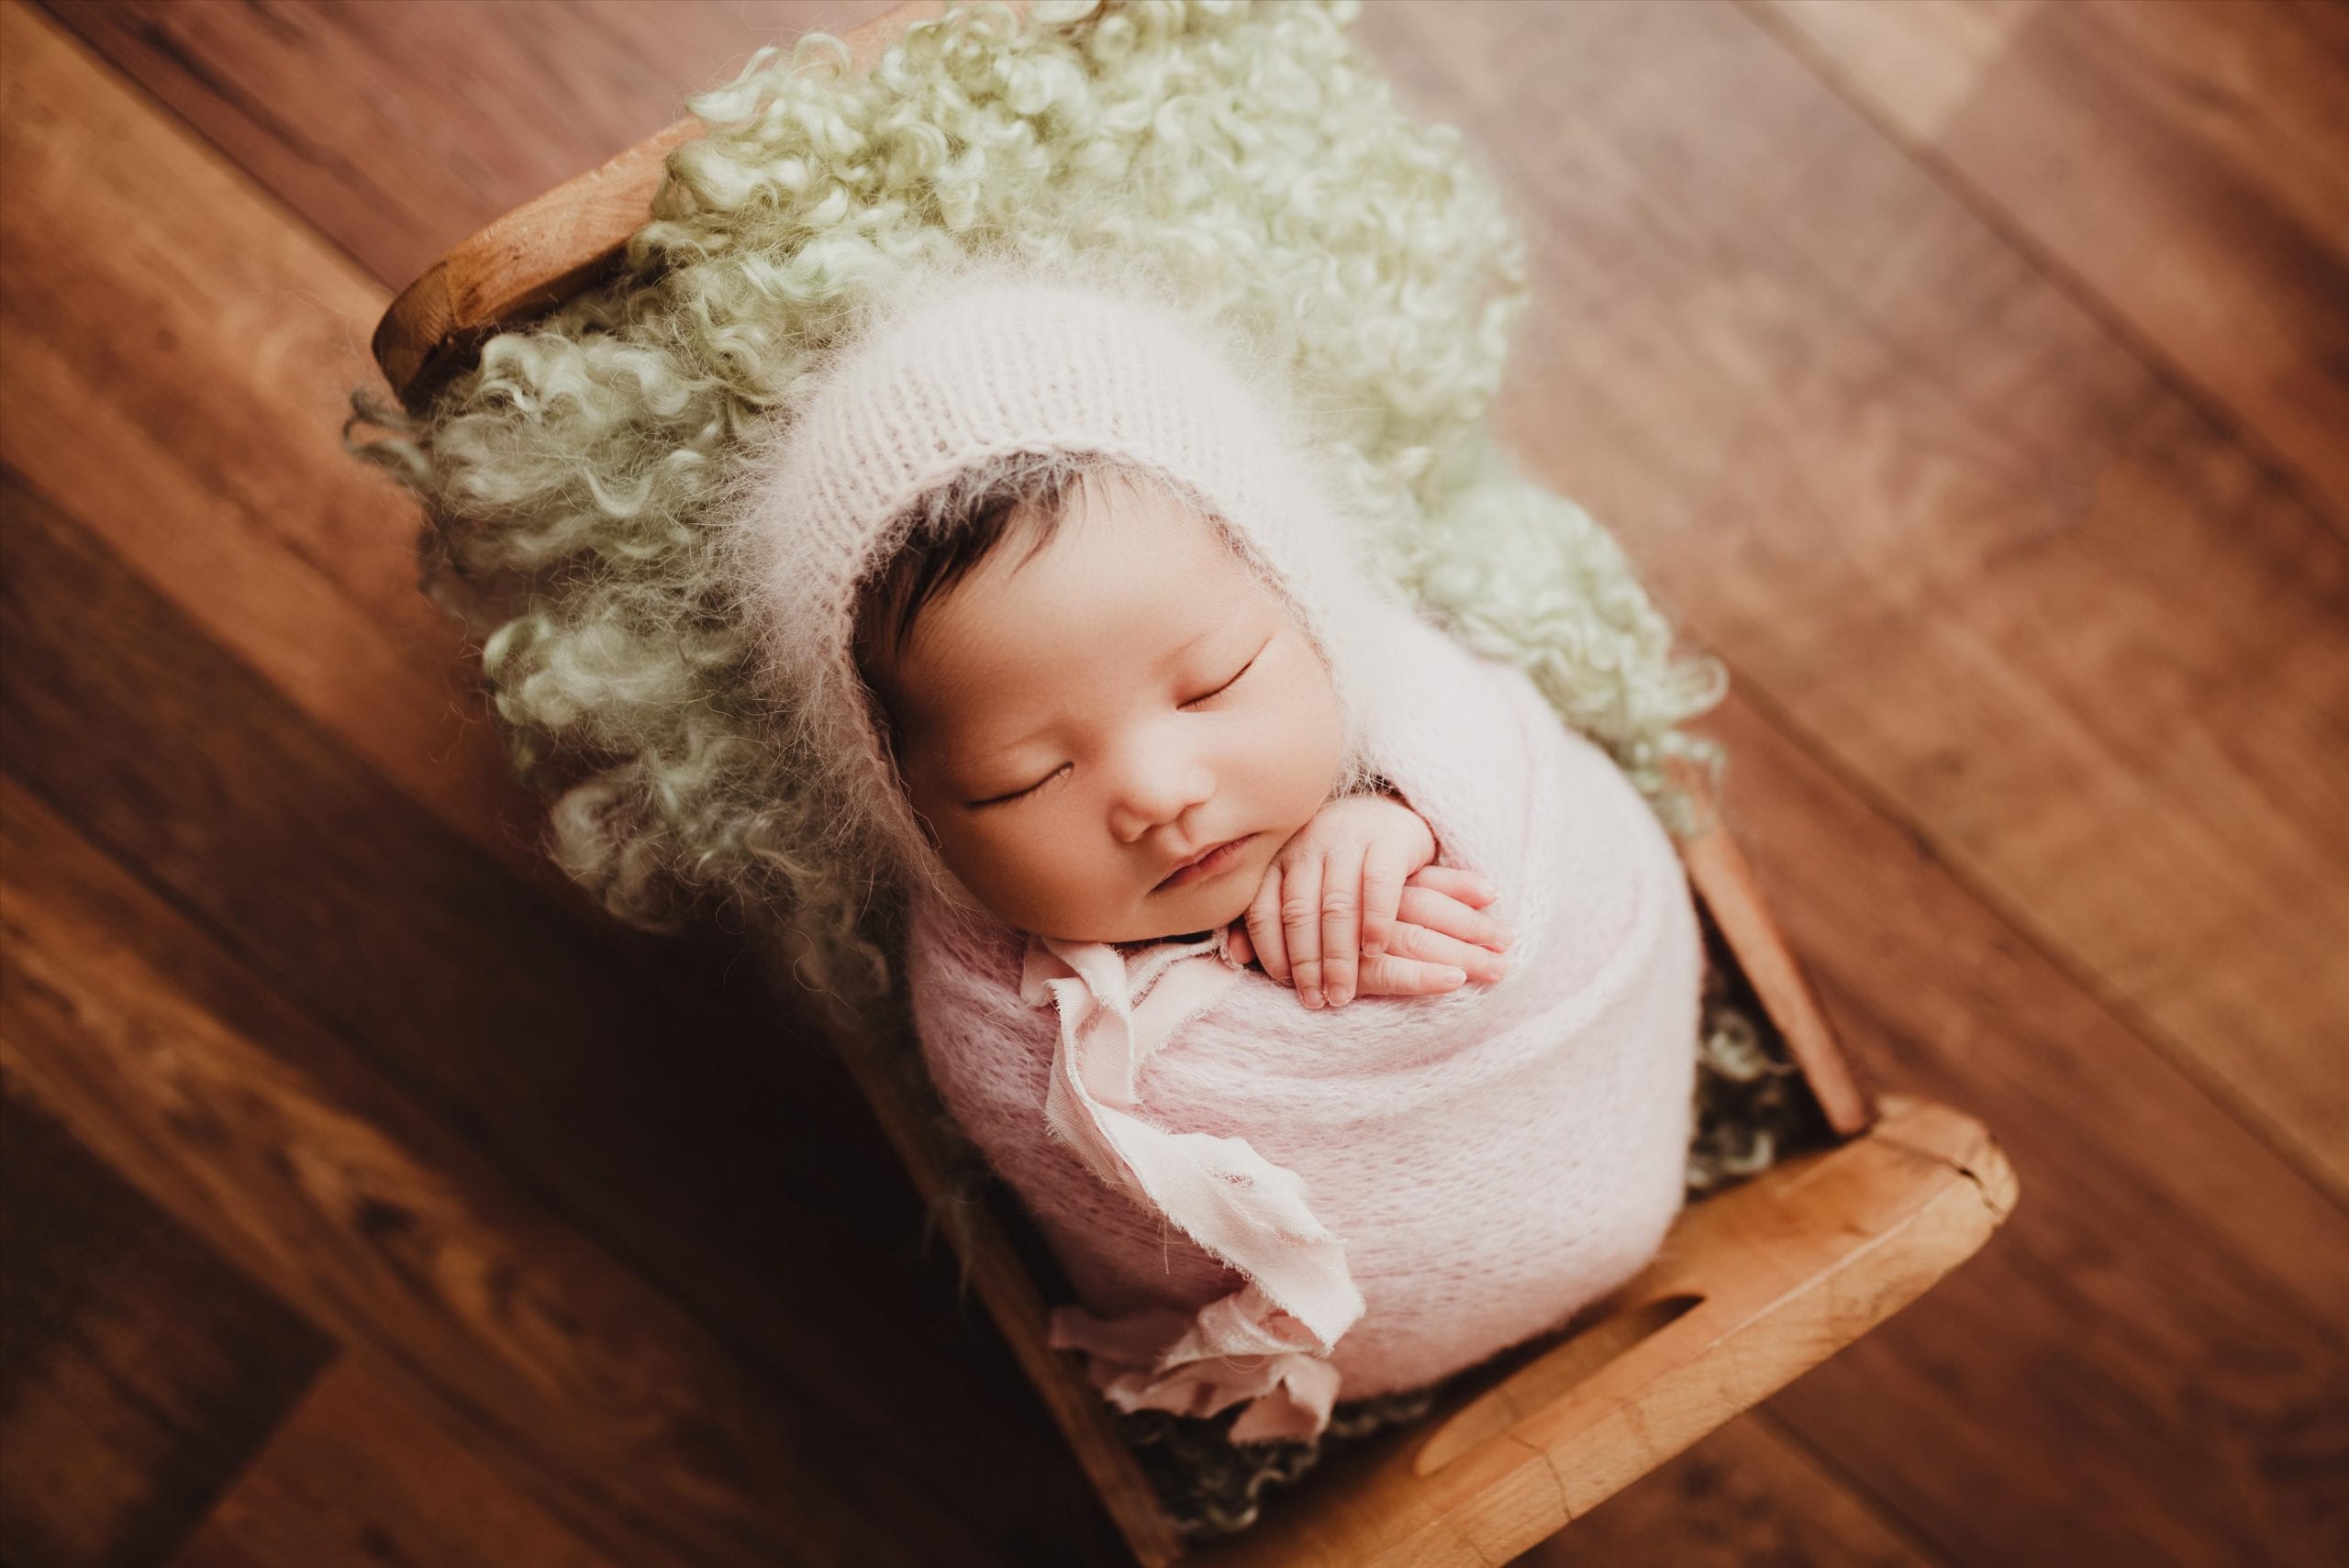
{"x":1154,"y":800}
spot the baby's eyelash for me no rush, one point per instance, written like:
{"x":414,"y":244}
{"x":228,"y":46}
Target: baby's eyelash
{"x":1228,"y":685}
{"x":1024,"y":794}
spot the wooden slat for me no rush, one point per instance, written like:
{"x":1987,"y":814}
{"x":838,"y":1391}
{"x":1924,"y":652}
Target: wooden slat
{"x":1955,"y":535}
{"x":2186,"y":165}
{"x":138,"y":1372}
{"x":585,"y":1386}
{"x":522,"y":265}
{"x":356,"y":1476}
{"x":1725,"y":885}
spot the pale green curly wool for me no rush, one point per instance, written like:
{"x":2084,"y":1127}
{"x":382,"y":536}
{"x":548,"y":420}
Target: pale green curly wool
{"x":1252,"y":153}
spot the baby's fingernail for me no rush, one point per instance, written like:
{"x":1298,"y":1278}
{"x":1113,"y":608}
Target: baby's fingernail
{"x":1312,"y":998}
{"x":1453,"y":976}
{"x":1339,"y":995}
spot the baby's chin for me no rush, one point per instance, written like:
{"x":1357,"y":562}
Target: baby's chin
{"x":1185,"y":912}
{"x":1148,"y":923}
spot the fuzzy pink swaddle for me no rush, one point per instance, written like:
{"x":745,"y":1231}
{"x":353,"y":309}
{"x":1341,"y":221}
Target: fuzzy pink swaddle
{"x":1255,"y":1201}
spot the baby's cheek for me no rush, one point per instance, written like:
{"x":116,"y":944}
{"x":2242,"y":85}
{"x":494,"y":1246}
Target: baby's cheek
{"x":1044,"y":883}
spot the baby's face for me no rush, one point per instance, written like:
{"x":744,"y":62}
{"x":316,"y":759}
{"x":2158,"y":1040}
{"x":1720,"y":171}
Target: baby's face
{"x":1078,"y":725}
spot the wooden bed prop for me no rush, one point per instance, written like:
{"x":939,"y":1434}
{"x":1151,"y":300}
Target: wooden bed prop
{"x":1756,"y":1286}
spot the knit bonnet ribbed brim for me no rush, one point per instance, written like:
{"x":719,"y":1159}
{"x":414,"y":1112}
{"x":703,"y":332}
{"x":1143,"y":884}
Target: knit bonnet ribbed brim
{"x":969,"y":369}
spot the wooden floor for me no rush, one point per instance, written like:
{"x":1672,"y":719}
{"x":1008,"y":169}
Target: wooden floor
{"x":1973,"y":377}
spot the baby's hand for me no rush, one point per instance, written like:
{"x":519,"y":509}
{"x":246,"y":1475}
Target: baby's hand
{"x":1351,"y":903}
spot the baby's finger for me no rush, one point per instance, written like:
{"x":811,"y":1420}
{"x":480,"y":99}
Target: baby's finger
{"x":1479,"y":963}
{"x":1300,"y":906}
{"x":1390,"y":975}
{"x":1342,"y":874}
{"x":1442,"y":912}
{"x":1472,"y":888}
{"x":1242,"y":950}
{"x":1264,"y":927}
{"x":1382,"y":896}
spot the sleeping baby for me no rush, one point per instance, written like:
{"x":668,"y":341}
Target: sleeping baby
{"x":1329,"y":1003}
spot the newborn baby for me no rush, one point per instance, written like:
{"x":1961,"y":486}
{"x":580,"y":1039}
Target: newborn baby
{"x":1069,"y":616}
{"x":1115,"y":611}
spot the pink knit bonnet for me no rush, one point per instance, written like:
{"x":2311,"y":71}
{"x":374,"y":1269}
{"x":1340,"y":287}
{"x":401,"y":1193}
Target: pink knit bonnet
{"x":959,"y":370}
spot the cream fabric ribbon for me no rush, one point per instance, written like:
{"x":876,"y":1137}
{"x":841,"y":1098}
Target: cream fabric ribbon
{"x":1268,"y":1343}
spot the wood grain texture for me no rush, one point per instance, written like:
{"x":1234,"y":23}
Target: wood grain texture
{"x":356,"y":1476}
{"x":1938,"y":50}
{"x":265,"y":814}
{"x":244,"y":802}
{"x":2152,"y":1361}
{"x":1745,"y":1497}
{"x":138,"y":1368}
{"x":2185,"y":166}
{"x":179,"y":354}
{"x":539,"y":1035}
{"x":604,"y":1401}
{"x":398,"y":132}
{"x":2148,"y":1366}
{"x":1970,"y":547}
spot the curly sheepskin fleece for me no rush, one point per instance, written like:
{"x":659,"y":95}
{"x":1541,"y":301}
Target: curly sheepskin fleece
{"x":1251,"y":157}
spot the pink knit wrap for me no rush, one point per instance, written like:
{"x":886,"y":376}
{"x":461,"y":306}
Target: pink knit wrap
{"x":1258,"y":1202}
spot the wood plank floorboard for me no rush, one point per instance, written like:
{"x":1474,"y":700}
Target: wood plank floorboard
{"x":1970,"y":544}
{"x":399,"y":130}
{"x":2186,"y":165}
{"x":533,"y":1032}
{"x":1745,"y":1497}
{"x":1983,"y":570}
{"x":179,"y":354}
{"x":355,"y":1475}
{"x":2152,"y":1360}
{"x":594,"y":1392}
{"x":138,"y":1368}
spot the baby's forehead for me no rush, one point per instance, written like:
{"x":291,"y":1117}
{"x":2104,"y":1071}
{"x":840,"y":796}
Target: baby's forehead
{"x":1095,"y":616}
